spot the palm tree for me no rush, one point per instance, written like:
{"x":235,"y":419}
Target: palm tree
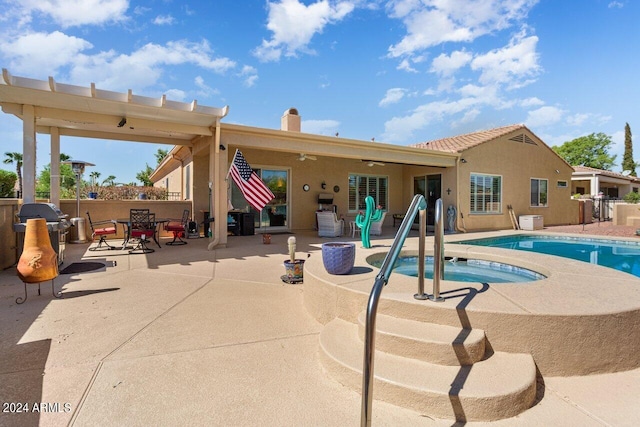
{"x":109,"y":181}
{"x":17,"y":158}
{"x":94,"y":177}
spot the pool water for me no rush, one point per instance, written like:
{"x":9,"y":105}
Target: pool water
{"x":466,"y":270}
{"x":620,"y":255}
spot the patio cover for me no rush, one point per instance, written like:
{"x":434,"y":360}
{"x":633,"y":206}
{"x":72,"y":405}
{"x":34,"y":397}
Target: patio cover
{"x":58,"y":109}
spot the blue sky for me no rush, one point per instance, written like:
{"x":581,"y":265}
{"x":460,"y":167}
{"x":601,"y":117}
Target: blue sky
{"x":399,"y":71}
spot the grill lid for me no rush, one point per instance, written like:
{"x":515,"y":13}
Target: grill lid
{"x":48,"y":211}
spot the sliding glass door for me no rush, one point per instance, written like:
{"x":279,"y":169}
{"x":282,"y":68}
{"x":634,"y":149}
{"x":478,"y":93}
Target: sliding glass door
{"x":275,"y":216}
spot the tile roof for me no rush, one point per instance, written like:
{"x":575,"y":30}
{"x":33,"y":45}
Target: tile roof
{"x":457,"y":144}
{"x":581,"y":170}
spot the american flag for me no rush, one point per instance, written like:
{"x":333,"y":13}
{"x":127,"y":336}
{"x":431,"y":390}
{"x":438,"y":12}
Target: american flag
{"x":252,"y":187}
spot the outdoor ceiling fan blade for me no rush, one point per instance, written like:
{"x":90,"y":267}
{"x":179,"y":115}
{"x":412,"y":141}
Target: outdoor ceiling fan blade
{"x":304,"y":157}
{"x":371,"y":163}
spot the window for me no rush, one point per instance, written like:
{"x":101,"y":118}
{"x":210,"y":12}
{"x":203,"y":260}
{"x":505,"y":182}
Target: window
{"x":562,"y":184}
{"x":539,"y":192}
{"x":486,"y":194}
{"x":361,"y":186}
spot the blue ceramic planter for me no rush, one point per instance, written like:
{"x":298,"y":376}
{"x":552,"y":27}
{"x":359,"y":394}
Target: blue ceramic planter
{"x":338,"y":257}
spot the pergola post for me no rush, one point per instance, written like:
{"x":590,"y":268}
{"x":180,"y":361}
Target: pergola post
{"x":54,"y":179}
{"x":28,"y":154}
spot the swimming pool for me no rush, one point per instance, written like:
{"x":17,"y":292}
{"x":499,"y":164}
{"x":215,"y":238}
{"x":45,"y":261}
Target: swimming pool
{"x":465,"y":270}
{"x":617,"y":254}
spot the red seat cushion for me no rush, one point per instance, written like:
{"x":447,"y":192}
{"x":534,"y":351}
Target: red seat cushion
{"x":139,"y":233}
{"x":174,"y":226}
{"x":107,"y":230}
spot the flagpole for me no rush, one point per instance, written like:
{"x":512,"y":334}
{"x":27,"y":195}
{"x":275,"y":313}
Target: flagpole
{"x":231,"y":165}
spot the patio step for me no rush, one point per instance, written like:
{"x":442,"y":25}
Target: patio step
{"x":500,"y":386}
{"x":439,"y":344}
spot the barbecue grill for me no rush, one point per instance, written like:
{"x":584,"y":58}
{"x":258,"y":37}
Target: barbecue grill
{"x":57,"y":224}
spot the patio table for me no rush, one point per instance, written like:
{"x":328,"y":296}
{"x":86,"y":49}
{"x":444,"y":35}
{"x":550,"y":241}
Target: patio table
{"x":126,"y":224}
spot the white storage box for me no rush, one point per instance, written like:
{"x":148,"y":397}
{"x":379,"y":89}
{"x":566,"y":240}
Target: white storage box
{"x":531,"y":222}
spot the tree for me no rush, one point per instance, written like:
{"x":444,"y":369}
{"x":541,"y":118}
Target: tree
{"x":110,"y":181}
{"x":627,"y":161}
{"x":591,"y":151}
{"x":17,"y":159}
{"x":160,"y":155}
{"x":7,"y":183}
{"x":143,"y":176}
{"x":94,"y":178}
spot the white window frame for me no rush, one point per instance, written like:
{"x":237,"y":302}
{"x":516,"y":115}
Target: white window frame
{"x":495,"y":205}
{"x":358,"y":176}
{"x":539,"y":204}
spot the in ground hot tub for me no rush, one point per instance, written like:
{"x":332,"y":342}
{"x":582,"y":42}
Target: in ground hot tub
{"x":464,"y":270}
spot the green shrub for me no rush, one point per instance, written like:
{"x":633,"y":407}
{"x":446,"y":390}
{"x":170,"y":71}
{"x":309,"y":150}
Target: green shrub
{"x":632,"y":197}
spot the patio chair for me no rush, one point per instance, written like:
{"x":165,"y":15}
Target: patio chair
{"x":103,"y":232}
{"x":142,"y":225}
{"x":329,"y":225}
{"x":376,"y":226}
{"x":179,"y":228}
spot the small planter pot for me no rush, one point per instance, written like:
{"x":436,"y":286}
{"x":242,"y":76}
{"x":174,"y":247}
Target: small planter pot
{"x":266,"y":239}
{"x":338,"y":257}
{"x":294,"y":271}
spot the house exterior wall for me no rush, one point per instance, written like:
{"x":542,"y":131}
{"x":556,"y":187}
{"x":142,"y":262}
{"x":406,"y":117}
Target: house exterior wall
{"x":333,"y":172}
{"x":516,"y":163}
{"x":174,"y":178}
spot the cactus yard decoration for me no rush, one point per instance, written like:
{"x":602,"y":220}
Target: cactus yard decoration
{"x":363,"y":221}
{"x":294,"y":268}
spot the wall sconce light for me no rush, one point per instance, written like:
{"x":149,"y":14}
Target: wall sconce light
{"x":448,"y":191}
{"x":323,"y":185}
{"x":222,"y":148}
{"x":463,"y":161}
{"x":557,"y":171}
{"x":122,"y":122}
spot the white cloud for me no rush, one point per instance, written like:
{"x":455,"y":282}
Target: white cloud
{"x":577,"y":119}
{"x":71,"y":13}
{"x":176,"y":94}
{"x":250,"y":75}
{"x":616,"y":4}
{"x":42,"y":51}
{"x":405,"y":65}
{"x":143,"y":67}
{"x":294,"y":24}
{"x":544,"y":116}
{"x":531,"y":102}
{"x":164,"y":20}
{"x":204,"y":89}
{"x":320,"y":127}
{"x":446,"y":65}
{"x":430,"y":23}
{"x":513,"y":65}
{"x":392,"y":96}
{"x":468,"y":117}
{"x":401,"y":129}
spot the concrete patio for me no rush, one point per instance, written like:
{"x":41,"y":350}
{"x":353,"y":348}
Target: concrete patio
{"x":189,"y":336}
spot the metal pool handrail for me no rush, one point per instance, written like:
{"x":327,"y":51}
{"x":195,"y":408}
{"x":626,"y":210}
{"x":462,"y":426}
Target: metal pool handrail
{"x":418,"y":204}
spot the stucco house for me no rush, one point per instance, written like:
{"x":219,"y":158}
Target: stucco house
{"x":480,"y":174}
{"x":591,"y":181}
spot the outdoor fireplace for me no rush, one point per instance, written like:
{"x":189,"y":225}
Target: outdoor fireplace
{"x":57,"y":225}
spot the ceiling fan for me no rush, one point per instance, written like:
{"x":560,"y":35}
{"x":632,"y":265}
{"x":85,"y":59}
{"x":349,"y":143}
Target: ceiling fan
{"x":302,"y":157}
{"x":371,"y":163}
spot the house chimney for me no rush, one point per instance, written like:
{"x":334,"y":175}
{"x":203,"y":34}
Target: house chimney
{"x":290,"y":120}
